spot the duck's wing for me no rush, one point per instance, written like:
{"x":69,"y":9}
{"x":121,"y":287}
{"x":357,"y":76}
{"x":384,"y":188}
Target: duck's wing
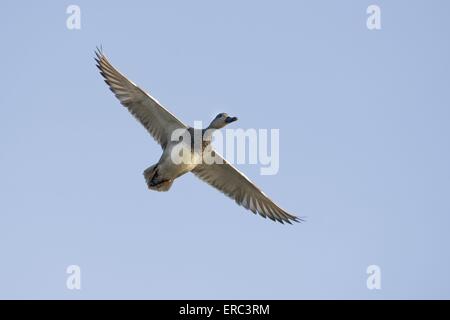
{"x":229,"y":180}
{"x":159,"y":122}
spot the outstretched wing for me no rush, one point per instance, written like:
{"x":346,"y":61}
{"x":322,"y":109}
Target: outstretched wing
{"x":159,"y":122}
{"x":227,"y":179}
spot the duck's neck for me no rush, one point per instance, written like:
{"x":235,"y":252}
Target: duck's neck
{"x":208,"y":133}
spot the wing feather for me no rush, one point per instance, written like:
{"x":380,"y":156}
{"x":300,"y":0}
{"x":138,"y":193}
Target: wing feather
{"x":158,"y":121}
{"x":230,"y":181}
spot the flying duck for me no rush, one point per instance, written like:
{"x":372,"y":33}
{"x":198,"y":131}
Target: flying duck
{"x":161,"y":124}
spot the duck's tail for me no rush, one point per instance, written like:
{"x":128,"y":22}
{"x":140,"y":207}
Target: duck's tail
{"x":153,"y":183}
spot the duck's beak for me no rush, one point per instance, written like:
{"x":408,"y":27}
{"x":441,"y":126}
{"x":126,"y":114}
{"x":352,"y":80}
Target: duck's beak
{"x":230,"y":119}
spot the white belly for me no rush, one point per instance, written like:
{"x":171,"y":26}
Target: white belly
{"x":177,"y":160}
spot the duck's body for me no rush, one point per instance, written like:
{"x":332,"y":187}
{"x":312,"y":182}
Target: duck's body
{"x":160,"y":176}
{"x":162,"y":125}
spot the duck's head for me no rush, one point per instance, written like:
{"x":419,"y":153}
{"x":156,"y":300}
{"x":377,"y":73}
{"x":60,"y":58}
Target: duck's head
{"x":221,"y":120}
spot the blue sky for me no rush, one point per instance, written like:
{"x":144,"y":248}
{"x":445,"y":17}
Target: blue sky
{"x":364,"y":150}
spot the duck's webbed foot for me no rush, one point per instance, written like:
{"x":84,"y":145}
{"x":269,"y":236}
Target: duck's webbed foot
{"x":154,"y":181}
{"x":157,"y":185}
